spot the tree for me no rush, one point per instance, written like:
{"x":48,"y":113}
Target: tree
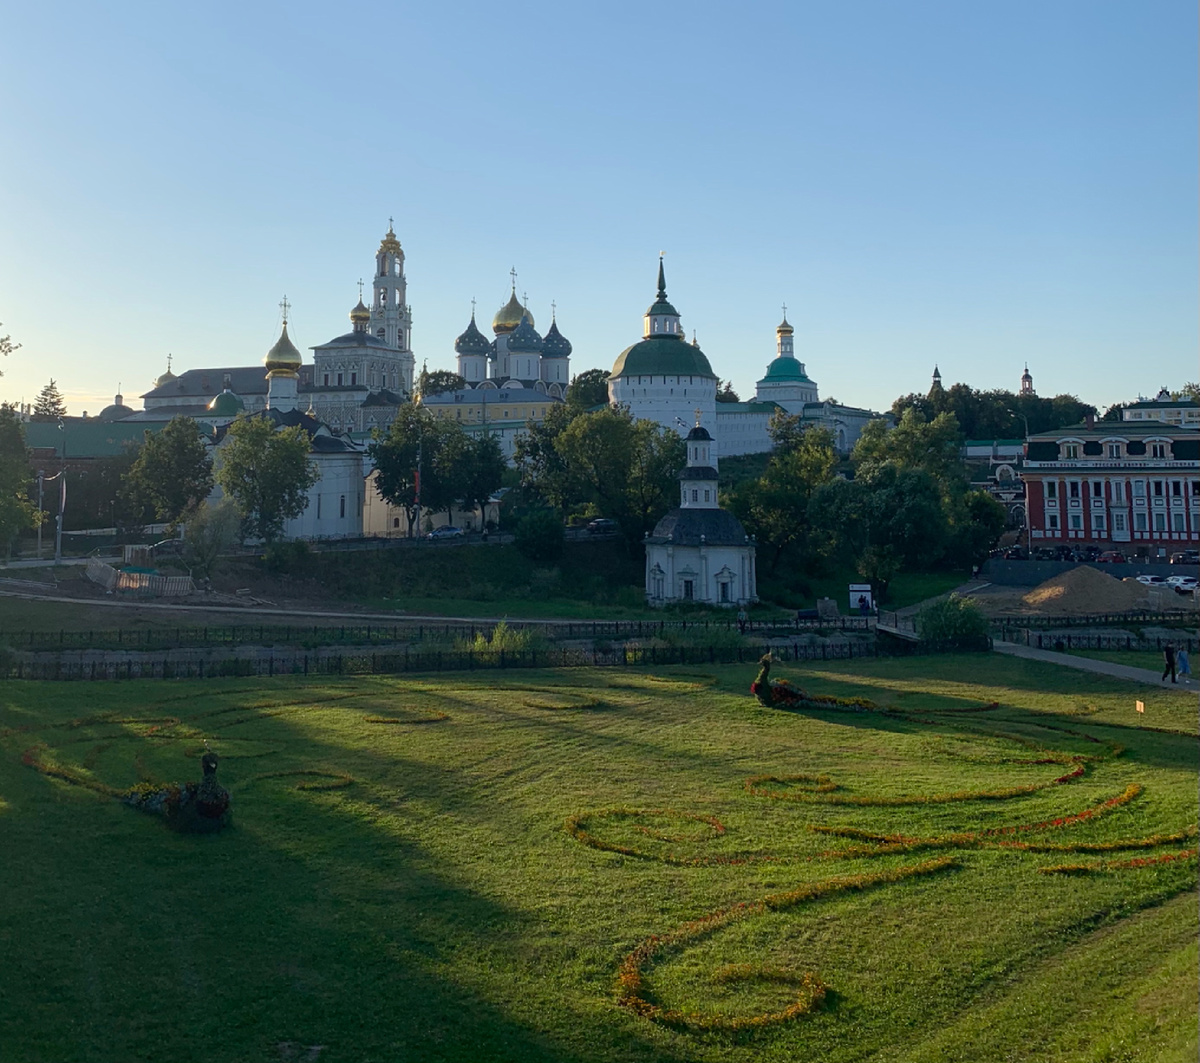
{"x":1188,"y":391}
{"x":397,"y":455}
{"x":17,"y":512}
{"x":588,"y":390}
{"x":266,"y":472}
{"x":627,"y":468}
{"x":173,"y":472}
{"x":539,"y":536}
{"x":483,"y":472}
{"x":544,"y":469}
{"x":977,"y":521}
{"x":725,"y":392}
{"x":49,"y":405}
{"x":1114,"y":412}
{"x":212,"y":530}
{"x":438,"y":382}
{"x":878,"y":565}
{"x":953,"y":623}
{"x":7,"y":347}
{"x":775,"y":507}
{"x":913,"y":444}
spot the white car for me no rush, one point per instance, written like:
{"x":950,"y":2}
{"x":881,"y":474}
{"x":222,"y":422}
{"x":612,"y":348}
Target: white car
{"x":1154,"y":581}
{"x":1181,"y":583}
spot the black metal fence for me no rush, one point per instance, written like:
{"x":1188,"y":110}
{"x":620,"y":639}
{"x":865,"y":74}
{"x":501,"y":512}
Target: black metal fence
{"x":1139,"y":619}
{"x":397,"y":663}
{"x":1062,"y":641}
{"x":165,"y":638}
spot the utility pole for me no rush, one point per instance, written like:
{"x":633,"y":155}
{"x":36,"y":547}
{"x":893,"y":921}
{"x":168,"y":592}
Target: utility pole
{"x":41,"y":478}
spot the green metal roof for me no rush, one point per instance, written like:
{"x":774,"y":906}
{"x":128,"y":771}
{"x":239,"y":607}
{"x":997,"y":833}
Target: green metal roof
{"x":662,"y":356}
{"x":88,"y":439}
{"x":785,"y":369}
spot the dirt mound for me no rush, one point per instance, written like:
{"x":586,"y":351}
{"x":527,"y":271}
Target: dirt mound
{"x":1087,"y":590}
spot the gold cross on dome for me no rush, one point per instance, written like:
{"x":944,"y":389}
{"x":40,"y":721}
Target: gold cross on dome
{"x":697,"y":412}
{"x":513,"y":273}
{"x":285,"y":306}
{"x":785,"y":311}
{"x":360,"y":287}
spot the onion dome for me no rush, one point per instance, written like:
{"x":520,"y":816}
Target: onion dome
{"x":283,"y":358}
{"x":360,"y":315}
{"x":165,"y":379}
{"x":698,"y":433}
{"x":117,"y":411}
{"x":555,"y":344}
{"x":786,"y":368}
{"x":472,"y":341}
{"x":508,"y":317}
{"x":524,"y":339}
{"x":783,"y":328}
{"x":227,"y":404}
{"x":389,"y":243}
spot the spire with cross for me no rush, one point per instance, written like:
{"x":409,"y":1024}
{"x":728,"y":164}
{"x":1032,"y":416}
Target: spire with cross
{"x":360,"y":288}
{"x":285,"y":306}
{"x":513,"y":274}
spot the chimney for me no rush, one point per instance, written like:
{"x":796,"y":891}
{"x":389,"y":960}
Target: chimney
{"x":1090,"y":420}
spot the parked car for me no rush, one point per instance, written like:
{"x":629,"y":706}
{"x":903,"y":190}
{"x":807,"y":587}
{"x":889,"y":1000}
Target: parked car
{"x":1015,"y":553}
{"x":448,"y":531}
{"x":602,"y":526}
{"x":1111,"y":557}
{"x":1186,"y":557}
{"x":1151,"y":581}
{"x":1181,"y":583}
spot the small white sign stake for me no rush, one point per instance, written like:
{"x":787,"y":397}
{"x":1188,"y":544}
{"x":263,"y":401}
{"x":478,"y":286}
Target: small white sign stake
{"x":1141,"y":706}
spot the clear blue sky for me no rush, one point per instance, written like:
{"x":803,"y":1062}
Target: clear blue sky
{"x":970,"y":184}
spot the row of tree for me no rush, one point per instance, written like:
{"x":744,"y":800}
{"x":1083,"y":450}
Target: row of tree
{"x":995,"y":414}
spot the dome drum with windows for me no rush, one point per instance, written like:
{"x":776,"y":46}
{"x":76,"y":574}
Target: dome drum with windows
{"x":663,"y":351}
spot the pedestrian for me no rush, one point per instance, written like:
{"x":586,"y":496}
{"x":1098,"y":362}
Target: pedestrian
{"x":863,"y":607}
{"x":1182,"y":664}
{"x":1169,"y":662}
{"x":741,"y":619}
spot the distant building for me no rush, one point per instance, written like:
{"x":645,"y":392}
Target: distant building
{"x":698,"y":551}
{"x":1114,"y":484}
{"x":1181,"y":411}
{"x":502,"y":412}
{"x":664,"y":378}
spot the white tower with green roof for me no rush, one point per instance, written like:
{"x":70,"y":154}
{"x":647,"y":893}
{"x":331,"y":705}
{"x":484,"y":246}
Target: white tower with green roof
{"x":786,"y":381}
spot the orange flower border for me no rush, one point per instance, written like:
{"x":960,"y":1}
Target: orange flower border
{"x":631,"y":976}
{"x":1103,"y":866}
{"x":575,"y":826}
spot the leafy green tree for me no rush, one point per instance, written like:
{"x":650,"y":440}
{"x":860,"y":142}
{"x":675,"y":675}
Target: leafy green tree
{"x":1188,"y":391}
{"x":588,"y":389}
{"x":7,"y":347}
{"x":725,"y":392}
{"x":878,"y":565}
{"x":1114,"y":412}
{"x":914,"y":443}
{"x":976,"y":523}
{"x":17,"y":512}
{"x":905,"y":510}
{"x":953,"y":623}
{"x":539,"y":536}
{"x":545,"y":471}
{"x":396,"y":456}
{"x":173,"y":472}
{"x":483,"y":472}
{"x":627,"y":468}
{"x":266,"y":472}
{"x":49,"y":405}
{"x":775,"y":507}
{"x":438,"y":382}
{"x":212,"y":530}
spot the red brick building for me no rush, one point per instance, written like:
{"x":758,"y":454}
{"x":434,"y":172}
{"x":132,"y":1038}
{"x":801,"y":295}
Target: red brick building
{"x":1115,"y":484}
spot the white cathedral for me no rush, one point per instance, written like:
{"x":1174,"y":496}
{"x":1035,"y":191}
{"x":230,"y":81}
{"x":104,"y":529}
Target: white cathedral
{"x":664,"y":378}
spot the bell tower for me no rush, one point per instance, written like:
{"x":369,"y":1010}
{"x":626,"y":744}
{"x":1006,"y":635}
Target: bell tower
{"x":391,"y":316}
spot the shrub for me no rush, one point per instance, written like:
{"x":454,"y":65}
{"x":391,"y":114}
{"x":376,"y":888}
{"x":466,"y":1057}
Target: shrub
{"x":540,"y":536}
{"x":955,"y":623}
{"x":287,"y":557}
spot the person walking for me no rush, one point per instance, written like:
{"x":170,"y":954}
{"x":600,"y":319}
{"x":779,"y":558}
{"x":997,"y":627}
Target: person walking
{"x":1168,"y":662}
{"x":1182,"y":664}
{"x":741,"y":621}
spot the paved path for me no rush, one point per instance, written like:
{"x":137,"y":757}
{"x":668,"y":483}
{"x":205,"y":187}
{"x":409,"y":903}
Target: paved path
{"x":1087,"y":664}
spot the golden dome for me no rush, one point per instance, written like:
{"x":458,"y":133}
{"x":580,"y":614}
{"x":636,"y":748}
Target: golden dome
{"x":283,"y":359}
{"x":360,"y":313}
{"x":508,"y":317}
{"x":165,"y":379}
{"x":784,"y":329}
{"x":390,"y":243}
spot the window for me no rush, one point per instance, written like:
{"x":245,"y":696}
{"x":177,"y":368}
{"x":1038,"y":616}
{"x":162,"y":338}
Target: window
{"x":1114,"y":450}
{"x":1118,"y":491}
{"x":1071,"y":450}
{"x":1051,"y":490}
{"x":1158,"y":450}
{"x":1097,"y":489}
{"x":689,"y":589}
{"x":1076,"y":522}
{"x":343,"y":507}
{"x":695,"y":495}
{"x":353,"y":379}
{"x":327,"y":380}
{"x":1176,"y":488}
{"x":724,"y":592}
{"x":1196,"y":488}
{"x":1098,"y":523}
{"x":339,"y":380}
{"x":318,"y":507}
{"x":1119,"y":522}
{"x":1160,"y":522}
{"x":1177,"y":522}
{"x":1052,"y":522}
{"x":1139,"y":488}
{"x":1073,"y":489}
{"x":706,"y":495}
{"x":1158,"y":488}
{"x":1139,"y":522}
{"x":395,"y":522}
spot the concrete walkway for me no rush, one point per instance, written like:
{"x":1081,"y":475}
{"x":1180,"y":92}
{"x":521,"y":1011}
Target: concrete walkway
{"x":1087,"y":664}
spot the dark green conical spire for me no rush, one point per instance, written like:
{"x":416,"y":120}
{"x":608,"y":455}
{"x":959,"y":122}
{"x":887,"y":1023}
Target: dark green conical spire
{"x":662,"y":281}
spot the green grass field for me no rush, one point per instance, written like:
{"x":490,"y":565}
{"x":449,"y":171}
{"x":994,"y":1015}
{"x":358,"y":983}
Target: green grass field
{"x":400,"y":881}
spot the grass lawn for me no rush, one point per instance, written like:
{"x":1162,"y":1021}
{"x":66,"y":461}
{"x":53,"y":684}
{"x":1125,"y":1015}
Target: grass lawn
{"x":1152,"y":659}
{"x":400,"y":882}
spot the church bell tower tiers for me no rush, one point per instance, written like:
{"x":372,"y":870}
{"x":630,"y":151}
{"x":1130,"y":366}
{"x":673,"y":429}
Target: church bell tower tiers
{"x":283,"y":370}
{"x":391,"y":316}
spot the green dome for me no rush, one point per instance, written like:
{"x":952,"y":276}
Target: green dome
{"x":662,"y":356}
{"x":227,"y":404}
{"x":785,"y":370}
